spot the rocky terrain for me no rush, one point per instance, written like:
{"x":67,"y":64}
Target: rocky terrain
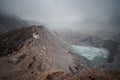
{"x":28,"y":52}
{"x":90,"y":74}
{"x":35,"y":53}
{"x":112,"y":44}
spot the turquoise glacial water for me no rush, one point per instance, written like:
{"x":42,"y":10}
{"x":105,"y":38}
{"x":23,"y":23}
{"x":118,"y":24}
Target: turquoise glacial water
{"x":97,"y":56}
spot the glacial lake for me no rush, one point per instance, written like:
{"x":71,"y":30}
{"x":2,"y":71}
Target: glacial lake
{"x":97,"y":56}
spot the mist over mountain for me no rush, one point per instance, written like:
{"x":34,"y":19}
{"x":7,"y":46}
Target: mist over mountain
{"x":69,"y":14}
{"x":10,"y":22}
{"x":30,"y":22}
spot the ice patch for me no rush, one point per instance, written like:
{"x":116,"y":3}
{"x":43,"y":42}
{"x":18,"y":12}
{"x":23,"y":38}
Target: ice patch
{"x":94,"y":54}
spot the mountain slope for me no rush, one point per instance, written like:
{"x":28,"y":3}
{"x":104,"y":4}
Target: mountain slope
{"x":10,"y":22}
{"x":25,"y":53}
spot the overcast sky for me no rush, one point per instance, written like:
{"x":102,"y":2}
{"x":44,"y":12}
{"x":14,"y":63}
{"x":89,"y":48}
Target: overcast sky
{"x":65,"y":13}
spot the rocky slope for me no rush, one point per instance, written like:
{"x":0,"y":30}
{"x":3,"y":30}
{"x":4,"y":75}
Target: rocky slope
{"x":90,"y":74}
{"x":27,"y":52}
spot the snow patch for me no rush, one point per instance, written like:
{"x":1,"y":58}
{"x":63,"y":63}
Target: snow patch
{"x":35,"y":36}
{"x":94,"y":54}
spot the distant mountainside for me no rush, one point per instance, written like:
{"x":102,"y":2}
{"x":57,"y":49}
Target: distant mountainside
{"x":25,"y":53}
{"x":101,"y":39}
{"x":10,"y":22}
{"x":75,"y":35}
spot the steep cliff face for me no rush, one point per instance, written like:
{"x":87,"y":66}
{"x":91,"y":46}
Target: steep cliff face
{"x":25,"y":53}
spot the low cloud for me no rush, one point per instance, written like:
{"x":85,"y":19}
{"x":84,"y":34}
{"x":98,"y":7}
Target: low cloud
{"x":66,"y":13}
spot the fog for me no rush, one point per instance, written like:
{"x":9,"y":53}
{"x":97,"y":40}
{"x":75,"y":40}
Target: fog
{"x":68,"y":14}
